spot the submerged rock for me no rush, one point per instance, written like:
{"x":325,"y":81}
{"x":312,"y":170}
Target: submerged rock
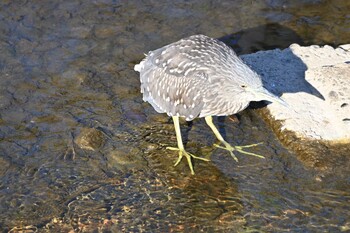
{"x":90,"y":139}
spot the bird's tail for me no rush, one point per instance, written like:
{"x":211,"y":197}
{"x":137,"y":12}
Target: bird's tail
{"x":139,"y":67}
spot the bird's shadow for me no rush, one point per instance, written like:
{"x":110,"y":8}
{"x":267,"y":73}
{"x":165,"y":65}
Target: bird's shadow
{"x":282,"y":72}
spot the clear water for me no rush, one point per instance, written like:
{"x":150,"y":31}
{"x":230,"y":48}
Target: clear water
{"x":80,"y":151}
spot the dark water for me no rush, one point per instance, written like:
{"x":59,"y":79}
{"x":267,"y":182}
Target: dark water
{"x":80,"y":151}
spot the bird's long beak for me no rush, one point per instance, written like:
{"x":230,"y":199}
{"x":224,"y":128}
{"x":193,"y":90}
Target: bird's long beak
{"x":264,"y":94}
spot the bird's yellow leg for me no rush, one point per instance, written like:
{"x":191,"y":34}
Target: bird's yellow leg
{"x":181,"y":148}
{"x":228,"y":147}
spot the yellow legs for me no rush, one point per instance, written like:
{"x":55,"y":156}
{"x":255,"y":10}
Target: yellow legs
{"x":228,"y":147}
{"x":181,"y":149}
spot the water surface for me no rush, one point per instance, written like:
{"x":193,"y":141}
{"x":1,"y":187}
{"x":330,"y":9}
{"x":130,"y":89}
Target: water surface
{"x":81,"y":151}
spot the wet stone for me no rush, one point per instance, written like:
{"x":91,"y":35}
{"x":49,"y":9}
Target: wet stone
{"x":4,"y":164}
{"x":125,"y":159}
{"x":90,"y":139}
{"x":49,"y":44}
{"x":131,"y":51}
{"x":80,"y":32}
{"x":72,"y":77}
{"x":133,"y":112}
{"x":25,"y":46}
{"x":104,"y":31}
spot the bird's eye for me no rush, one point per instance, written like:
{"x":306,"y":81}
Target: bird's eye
{"x":243,"y":86}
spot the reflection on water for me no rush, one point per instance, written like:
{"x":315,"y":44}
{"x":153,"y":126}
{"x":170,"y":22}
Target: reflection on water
{"x":81,"y":151}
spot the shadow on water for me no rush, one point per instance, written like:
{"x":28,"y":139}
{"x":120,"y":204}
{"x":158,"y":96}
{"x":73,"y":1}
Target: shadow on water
{"x":264,"y":37}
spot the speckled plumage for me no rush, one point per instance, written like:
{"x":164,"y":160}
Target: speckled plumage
{"x":199,"y":77}
{"x":196,"y":77}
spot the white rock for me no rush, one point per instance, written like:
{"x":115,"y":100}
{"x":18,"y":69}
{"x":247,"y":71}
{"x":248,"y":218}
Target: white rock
{"x":315,"y":82}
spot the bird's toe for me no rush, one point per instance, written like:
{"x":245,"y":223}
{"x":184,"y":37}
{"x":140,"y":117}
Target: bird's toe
{"x":240,"y":149}
{"x":189,"y":156}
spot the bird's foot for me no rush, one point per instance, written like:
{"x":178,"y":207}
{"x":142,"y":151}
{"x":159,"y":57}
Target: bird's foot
{"x":240,"y":149}
{"x":183,"y":152}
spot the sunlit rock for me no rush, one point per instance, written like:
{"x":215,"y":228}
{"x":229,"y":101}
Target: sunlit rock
{"x":315,"y":82}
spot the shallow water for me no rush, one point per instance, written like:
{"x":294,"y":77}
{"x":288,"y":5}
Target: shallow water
{"x":81,"y":151}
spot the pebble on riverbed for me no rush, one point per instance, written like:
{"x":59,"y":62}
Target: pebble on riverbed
{"x":90,"y":139}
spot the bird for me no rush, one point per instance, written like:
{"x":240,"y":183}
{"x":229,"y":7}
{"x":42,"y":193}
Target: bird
{"x":198,"y":77}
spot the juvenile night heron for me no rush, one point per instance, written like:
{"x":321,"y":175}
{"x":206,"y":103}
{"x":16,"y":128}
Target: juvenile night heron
{"x":199,"y":77}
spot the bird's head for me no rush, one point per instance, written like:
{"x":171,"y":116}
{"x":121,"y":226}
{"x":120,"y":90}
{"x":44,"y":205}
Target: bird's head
{"x":262,"y":94}
{"x":253,"y":90}
{"x":247,"y":84}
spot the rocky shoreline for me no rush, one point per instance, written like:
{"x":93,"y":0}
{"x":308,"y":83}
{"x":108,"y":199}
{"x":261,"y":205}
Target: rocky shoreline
{"x":315,"y":82}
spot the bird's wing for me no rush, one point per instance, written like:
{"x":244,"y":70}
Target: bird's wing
{"x":178,"y":78}
{"x":173,"y":82}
